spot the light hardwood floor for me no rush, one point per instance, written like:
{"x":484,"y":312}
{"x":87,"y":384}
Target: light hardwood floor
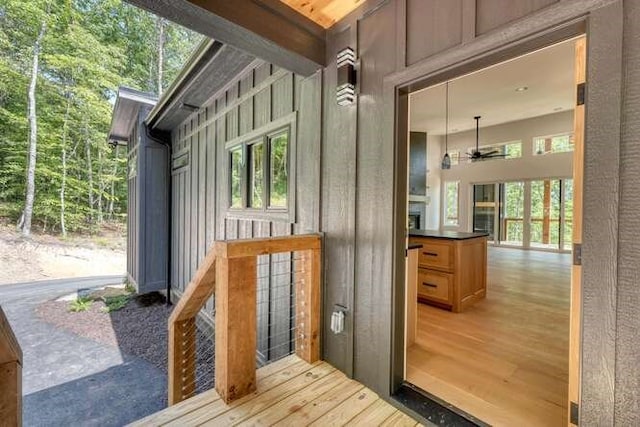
{"x":290,"y":393}
{"x":504,"y":360}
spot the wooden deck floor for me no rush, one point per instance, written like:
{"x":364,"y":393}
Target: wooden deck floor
{"x":290,"y":393}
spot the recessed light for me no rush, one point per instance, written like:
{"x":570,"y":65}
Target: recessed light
{"x":521,"y":89}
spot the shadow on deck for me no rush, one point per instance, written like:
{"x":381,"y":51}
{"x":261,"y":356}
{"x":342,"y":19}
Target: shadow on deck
{"x":289,"y":392}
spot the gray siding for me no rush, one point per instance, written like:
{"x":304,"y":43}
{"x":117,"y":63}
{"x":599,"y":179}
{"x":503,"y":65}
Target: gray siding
{"x":347,"y":164}
{"x":397,"y":47}
{"x":147,"y":216}
{"x":262,"y":94}
{"x":627,"y":377}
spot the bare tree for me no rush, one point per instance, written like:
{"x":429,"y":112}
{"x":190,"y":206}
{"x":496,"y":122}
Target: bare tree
{"x":27,"y":214}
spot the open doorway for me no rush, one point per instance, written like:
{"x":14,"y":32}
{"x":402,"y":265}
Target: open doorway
{"x":491,"y":332}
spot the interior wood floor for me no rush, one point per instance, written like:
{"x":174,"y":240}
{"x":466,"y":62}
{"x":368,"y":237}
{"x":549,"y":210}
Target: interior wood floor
{"x":290,"y":393}
{"x":505,"y":360}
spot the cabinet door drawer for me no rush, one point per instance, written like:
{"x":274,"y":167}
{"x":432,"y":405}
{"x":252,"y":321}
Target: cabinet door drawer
{"x":435,"y":285}
{"x":436,"y":255}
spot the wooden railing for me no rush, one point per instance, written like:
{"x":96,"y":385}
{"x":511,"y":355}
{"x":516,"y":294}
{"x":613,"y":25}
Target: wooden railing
{"x":230,"y":270}
{"x":10,"y":375}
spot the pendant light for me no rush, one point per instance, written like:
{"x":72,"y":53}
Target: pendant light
{"x":446,"y":160}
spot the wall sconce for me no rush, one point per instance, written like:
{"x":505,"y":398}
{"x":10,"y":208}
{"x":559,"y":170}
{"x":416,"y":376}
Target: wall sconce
{"x":346,"y":90}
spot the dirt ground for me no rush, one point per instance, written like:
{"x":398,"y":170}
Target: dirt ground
{"x":44,"y":257}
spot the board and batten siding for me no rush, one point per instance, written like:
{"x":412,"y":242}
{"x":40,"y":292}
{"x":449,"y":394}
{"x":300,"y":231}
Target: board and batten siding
{"x":410,"y":44}
{"x":259,"y":96}
{"x":147,"y":212}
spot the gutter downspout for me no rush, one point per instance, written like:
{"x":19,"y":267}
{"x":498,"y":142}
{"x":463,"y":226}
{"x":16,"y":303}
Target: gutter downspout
{"x":164,"y":138}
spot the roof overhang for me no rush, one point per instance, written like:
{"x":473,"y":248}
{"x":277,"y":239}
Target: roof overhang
{"x":125,"y":112}
{"x":266,"y":29}
{"x":207,"y":72}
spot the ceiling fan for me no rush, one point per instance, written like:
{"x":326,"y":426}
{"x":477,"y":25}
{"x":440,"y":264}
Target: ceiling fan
{"x":479,"y":155}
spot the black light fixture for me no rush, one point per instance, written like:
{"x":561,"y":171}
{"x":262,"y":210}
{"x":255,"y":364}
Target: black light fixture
{"x":446,"y":160}
{"x":346,"y":89}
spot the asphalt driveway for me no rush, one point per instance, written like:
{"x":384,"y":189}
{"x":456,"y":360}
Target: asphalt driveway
{"x":70,"y":380}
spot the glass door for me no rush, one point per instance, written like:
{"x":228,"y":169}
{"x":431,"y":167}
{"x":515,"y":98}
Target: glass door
{"x":545,"y":214}
{"x":484,"y":209}
{"x":512,"y":197}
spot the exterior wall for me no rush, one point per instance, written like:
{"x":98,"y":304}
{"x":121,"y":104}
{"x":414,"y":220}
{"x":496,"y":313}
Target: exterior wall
{"x":147,"y":217}
{"x":528,"y":167}
{"x":398,"y":44}
{"x":347,"y":167}
{"x":200,"y":191}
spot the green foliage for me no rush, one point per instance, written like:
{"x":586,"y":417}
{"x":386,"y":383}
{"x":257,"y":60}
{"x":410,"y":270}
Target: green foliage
{"x":80,"y":304}
{"x":115,"y":303}
{"x":90,"y":48}
{"x":129,"y":287}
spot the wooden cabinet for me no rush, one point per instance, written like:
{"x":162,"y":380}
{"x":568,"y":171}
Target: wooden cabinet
{"x":452,"y":272}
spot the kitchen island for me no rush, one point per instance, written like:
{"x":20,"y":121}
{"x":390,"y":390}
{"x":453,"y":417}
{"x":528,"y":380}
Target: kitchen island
{"x":452,"y":268}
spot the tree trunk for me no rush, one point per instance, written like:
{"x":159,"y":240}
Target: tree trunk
{"x":87,"y":145}
{"x":101,"y":187}
{"x":33,"y":136}
{"x":160,"y":23}
{"x":63,"y":185}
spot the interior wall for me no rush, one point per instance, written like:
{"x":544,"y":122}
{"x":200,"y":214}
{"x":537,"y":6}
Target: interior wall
{"x":527,"y":167}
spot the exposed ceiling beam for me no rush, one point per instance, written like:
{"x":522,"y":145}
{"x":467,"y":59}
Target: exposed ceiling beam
{"x":267,"y":29}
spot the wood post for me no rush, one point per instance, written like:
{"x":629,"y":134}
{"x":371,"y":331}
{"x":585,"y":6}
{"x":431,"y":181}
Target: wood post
{"x":10,"y":375}
{"x":11,"y":395}
{"x":182,"y":360}
{"x":235,"y":326}
{"x":308,"y":305}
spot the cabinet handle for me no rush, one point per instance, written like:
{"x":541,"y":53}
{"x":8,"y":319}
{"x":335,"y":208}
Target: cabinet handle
{"x":430,"y":253}
{"x":431,"y":285}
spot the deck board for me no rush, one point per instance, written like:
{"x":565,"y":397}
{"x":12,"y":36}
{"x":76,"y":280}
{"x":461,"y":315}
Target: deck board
{"x":289,"y":392}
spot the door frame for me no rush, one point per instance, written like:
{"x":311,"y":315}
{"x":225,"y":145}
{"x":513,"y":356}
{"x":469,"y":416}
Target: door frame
{"x":602,"y":26}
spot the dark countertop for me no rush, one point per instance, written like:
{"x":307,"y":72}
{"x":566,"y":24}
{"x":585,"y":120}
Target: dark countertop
{"x":451,"y":235}
{"x":412,"y":246}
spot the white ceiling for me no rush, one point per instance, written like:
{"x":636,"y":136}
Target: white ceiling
{"x":491,"y":93}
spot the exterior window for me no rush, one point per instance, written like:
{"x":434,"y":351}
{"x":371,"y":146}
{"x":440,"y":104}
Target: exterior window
{"x":259,"y":184}
{"x":236,"y":161}
{"x":278,"y":170}
{"x":553,"y":144}
{"x":451,"y":190}
{"x":256,"y":174}
{"x":511,"y":150}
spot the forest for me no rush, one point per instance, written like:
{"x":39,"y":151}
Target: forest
{"x":61,"y":63}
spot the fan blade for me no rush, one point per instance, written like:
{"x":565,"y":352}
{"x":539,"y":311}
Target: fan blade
{"x":490,"y":153}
